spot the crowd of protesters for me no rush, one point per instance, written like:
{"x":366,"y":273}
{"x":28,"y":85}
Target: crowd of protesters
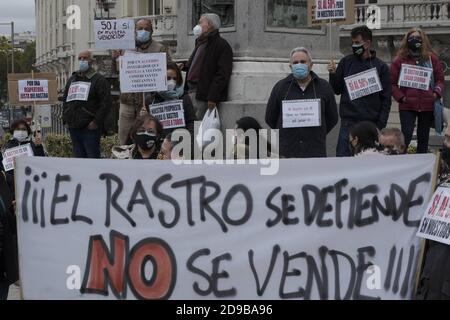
{"x":363,"y":121}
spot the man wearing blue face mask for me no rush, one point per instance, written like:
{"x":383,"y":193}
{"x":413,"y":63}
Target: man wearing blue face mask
{"x":373,"y":104}
{"x":303,"y":107}
{"x":131,"y":103}
{"x":87,"y":101}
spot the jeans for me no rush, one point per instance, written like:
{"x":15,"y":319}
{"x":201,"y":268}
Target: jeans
{"x":424,"y":123}
{"x":86,"y":143}
{"x":4,"y":290}
{"x":343,"y":146}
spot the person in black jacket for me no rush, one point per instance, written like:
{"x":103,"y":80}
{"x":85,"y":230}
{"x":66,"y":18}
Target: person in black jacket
{"x":302,"y":141}
{"x":21,"y":135}
{"x":87,"y":98}
{"x":209,"y":67}
{"x":374,"y":107}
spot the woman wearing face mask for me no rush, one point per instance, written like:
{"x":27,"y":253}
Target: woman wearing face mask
{"x":417,"y":104}
{"x":145,"y":136}
{"x":175,"y":92}
{"x":21,"y":135}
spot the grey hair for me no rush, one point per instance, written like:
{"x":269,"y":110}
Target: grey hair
{"x":300,"y":49}
{"x":214,"y":19}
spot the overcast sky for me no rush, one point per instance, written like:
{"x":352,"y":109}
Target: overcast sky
{"x":19,"y":11}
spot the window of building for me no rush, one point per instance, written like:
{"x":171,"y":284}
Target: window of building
{"x":287,"y":14}
{"x":225,"y":9}
{"x":154,"y":7}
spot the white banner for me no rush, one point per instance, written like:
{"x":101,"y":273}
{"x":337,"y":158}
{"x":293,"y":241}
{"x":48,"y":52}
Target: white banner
{"x":33,"y":90}
{"x":79,"y":91}
{"x":415,"y":77}
{"x":114,"y":34}
{"x":302,"y":113}
{"x":348,"y":225}
{"x":170,"y":114}
{"x":10,"y":154}
{"x":363,"y":84}
{"x":435,"y":224}
{"x":143,"y":72}
{"x":326,"y":9}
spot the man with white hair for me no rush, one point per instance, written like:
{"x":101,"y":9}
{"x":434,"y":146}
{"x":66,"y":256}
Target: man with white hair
{"x":209,"y":67}
{"x":303,"y":107}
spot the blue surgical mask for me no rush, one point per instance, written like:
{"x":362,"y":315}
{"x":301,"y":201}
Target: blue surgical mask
{"x":84,"y":66}
{"x":143,"y":36}
{"x":300,"y":71}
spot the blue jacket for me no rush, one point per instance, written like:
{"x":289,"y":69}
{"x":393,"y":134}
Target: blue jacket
{"x":375,"y":107}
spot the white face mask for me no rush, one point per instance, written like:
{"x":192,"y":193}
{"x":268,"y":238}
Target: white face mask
{"x":198,"y":30}
{"x":20,"y":135}
{"x":171,"y":85}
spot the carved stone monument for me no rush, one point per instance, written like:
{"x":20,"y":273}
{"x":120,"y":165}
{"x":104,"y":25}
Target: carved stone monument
{"x":262,"y":34}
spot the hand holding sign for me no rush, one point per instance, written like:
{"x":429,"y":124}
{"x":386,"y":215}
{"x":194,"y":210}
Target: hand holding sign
{"x":332,"y":67}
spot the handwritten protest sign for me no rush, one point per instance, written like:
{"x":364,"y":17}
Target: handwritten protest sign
{"x":330,"y":9}
{"x":363,"y":84}
{"x":114,"y":34}
{"x":301,"y":113}
{"x":314,"y":22}
{"x":170,"y":114}
{"x":143,"y":72}
{"x":78,"y":91}
{"x":10,"y":154}
{"x":416,"y":77}
{"x":33,"y":90}
{"x":338,"y":223}
{"x":435,"y":224}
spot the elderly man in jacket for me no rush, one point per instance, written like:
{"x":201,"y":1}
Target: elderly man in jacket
{"x":303,"y":107}
{"x":132,"y":103}
{"x":87,"y":99}
{"x":209,"y":67}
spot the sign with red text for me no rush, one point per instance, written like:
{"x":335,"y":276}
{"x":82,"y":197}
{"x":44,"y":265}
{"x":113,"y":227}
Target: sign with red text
{"x":435,"y":223}
{"x":170,"y":114}
{"x":330,"y":9}
{"x":10,"y":154}
{"x":78,"y":91}
{"x":33,"y":90}
{"x":363,"y":84}
{"x":145,"y":72}
{"x":415,"y":77}
{"x":109,"y":229}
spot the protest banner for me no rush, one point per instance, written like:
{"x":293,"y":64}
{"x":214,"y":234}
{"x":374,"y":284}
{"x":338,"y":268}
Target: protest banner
{"x":33,"y":90}
{"x":170,"y":114}
{"x":314,"y":22}
{"x":10,"y":154}
{"x":114,"y":34}
{"x":415,"y":77}
{"x":145,"y":72}
{"x":363,"y":84}
{"x":302,"y":113}
{"x":27,"y":89}
{"x":435,"y":224}
{"x":98,"y":230}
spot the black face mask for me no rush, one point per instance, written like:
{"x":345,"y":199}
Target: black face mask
{"x":358,"y":49}
{"x":146,"y":140}
{"x":446,"y":155}
{"x":415,"y":44}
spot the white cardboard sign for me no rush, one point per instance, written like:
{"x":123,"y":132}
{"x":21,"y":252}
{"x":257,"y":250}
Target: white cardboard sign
{"x":330,"y":9}
{"x":79,"y":91}
{"x":170,"y":114}
{"x":302,"y":113}
{"x":33,"y":90}
{"x":114,"y":34}
{"x":363,"y":84}
{"x":10,"y":154}
{"x":415,"y":77}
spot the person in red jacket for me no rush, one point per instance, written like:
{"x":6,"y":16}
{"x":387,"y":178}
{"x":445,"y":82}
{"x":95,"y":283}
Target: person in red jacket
{"x":417,"y":103}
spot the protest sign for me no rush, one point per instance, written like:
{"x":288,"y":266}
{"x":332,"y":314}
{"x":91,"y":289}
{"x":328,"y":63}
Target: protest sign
{"x":78,"y":91}
{"x":314,"y":22}
{"x":435,"y":224}
{"x":10,"y":154}
{"x":363,"y":84}
{"x":27,"y":89}
{"x":170,"y":114}
{"x":415,"y":77}
{"x":114,"y":34}
{"x":302,"y":113}
{"x":145,"y":72}
{"x":33,"y":90}
{"x":98,"y":230}
{"x":44,"y":116}
{"x":330,"y":9}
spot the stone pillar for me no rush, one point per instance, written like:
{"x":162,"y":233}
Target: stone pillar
{"x":262,"y":35}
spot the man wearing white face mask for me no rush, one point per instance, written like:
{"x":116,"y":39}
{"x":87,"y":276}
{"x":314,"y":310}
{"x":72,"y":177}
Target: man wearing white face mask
{"x":131,"y":103}
{"x":303,"y":107}
{"x":209,"y":67}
